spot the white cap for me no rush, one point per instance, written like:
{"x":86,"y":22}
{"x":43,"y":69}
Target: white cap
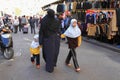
{"x":36,"y":36}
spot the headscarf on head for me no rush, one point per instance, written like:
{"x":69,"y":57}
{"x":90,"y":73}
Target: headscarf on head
{"x":49,"y":25}
{"x":73,"y":32}
{"x":36,"y":36}
{"x":51,"y":13}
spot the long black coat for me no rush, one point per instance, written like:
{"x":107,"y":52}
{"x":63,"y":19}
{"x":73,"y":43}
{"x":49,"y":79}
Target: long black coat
{"x":49,"y":38}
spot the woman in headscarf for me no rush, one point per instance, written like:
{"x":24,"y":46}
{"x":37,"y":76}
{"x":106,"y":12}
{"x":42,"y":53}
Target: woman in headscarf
{"x":49,"y":38}
{"x":73,"y":34}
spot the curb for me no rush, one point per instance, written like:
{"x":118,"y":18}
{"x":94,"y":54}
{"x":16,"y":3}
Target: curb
{"x":104,"y":45}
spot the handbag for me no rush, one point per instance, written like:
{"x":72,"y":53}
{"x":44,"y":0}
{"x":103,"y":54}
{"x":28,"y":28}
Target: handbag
{"x":79,"y":40}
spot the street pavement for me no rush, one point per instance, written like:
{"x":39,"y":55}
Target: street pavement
{"x":96,"y":63}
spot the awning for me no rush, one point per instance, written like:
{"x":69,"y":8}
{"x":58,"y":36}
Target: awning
{"x":47,"y":2}
{"x":52,"y":3}
{"x":19,"y":7}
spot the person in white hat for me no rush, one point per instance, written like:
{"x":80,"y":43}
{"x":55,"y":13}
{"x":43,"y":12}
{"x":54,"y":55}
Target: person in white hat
{"x":35,"y":51}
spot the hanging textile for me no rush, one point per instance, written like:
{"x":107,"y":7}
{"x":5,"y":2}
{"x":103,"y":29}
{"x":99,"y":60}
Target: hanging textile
{"x":91,"y":30}
{"x":81,"y":15}
{"x":87,"y":5}
{"x":108,"y":3}
{"x":97,"y":4}
{"x":74,"y":6}
{"x":78,"y":6}
{"x":112,"y":4}
{"x":107,"y":22}
{"x":114,"y":21}
{"x":118,"y":16}
{"x":104,"y":4}
{"x":90,"y":19}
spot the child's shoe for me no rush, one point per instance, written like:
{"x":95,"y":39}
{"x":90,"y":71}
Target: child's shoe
{"x":77,"y":70}
{"x":69,"y":65}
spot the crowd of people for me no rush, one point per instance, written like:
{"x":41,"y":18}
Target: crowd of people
{"x":18,"y":23}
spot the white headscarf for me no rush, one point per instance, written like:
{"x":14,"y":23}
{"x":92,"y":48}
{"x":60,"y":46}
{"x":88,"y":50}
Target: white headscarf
{"x":35,"y":44}
{"x":73,"y":32}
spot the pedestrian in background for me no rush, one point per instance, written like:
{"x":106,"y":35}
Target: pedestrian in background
{"x":32,"y":25}
{"x":36,"y":21}
{"x":20,"y":24}
{"x":24,"y":21}
{"x":73,"y":34}
{"x":25,"y":25}
{"x":16,"y":24}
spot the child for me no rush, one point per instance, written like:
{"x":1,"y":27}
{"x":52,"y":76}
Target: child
{"x":35,"y":51}
{"x":73,"y":34}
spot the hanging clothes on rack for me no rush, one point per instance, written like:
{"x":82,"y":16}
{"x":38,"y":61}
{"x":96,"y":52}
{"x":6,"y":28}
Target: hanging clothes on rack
{"x":91,"y":30}
{"x":97,"y":4}
{"x":74,"y":6}
{"x":112,"y":4}
{"x":81,"y":15}
{"x":114,"y":22}
{"x":90,"y":19}
{"x":106,"y":24}
{"x":104,"y":4}
{"x":87,"y":5}
{"x":108,"y":3}
{"x":98,"y":31}
{"x":78,"y":6}
{"x":118,"y":16}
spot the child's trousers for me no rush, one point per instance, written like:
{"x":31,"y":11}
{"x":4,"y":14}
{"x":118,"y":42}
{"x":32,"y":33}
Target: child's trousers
{"x":37,"y":58}
{"x":72,"y":54}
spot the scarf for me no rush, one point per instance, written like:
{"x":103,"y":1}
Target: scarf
{"x":73,"y":32}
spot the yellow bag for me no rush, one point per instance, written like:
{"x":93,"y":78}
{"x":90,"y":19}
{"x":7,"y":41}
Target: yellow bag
{"x":63,"y":36}
{"x":79,"y":40}
{"x":35,"y":51}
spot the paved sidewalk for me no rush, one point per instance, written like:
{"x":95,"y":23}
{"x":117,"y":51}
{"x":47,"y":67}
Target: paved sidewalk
{"x":101,"y":44}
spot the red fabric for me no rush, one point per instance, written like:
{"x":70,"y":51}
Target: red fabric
{"x":90,"y":11}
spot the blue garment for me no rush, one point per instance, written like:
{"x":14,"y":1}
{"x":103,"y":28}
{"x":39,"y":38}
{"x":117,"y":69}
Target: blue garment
{"x":90,"y":19}
{"x":94,"y":18}
{"x":66,"y":21}
{"x":63,"y":24}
